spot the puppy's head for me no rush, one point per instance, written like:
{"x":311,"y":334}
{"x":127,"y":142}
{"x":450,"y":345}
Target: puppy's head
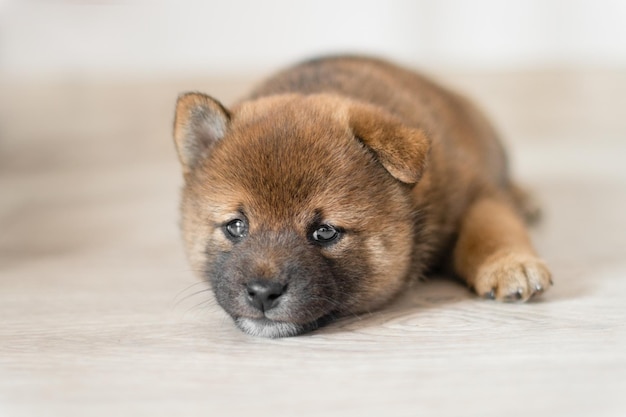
{"x":297,"y":208}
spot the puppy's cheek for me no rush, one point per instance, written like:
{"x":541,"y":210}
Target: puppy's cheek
{"x":218,"y":241}
{"x":389,"y":261}
{"x":195,"y":243}
{"x":346,"y":279}
{"x":340,"y":248}
{"x":203,"y":248}
{"x":215,"y":246}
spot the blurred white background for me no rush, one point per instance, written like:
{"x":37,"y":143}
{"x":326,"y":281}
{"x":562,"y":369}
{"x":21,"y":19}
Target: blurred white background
{"x":97,"y":303}
{"x":61,"y":38}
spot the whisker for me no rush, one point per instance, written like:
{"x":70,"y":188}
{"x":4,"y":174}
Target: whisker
{"x":187,"y":288}
{"x":200,"y":307}
{"x":204,"y":290}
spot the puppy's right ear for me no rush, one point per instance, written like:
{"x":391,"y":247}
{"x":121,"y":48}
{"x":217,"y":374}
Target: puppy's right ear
{"x":200,"y":122}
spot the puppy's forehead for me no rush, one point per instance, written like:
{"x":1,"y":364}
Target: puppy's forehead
{"x":292,"y":104}
{"x":282,"y":155}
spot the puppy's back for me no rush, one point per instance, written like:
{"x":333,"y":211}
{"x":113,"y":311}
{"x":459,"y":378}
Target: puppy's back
{"x":401,"y":92}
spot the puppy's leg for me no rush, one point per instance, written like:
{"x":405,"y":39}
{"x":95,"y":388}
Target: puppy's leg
{"x":494,"y":254}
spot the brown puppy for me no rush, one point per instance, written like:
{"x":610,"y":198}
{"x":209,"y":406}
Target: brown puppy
{"x":335,"y":182}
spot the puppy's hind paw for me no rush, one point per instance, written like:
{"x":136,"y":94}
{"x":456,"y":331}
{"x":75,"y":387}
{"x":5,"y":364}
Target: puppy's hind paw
{"x":512,"y":277}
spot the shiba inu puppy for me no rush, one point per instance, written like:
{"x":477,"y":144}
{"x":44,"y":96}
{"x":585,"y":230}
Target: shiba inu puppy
{"x":335,"y":182}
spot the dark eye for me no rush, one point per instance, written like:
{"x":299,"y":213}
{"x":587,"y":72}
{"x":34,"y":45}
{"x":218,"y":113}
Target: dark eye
{"x":237,"y":228}
{"x":325,"y":234}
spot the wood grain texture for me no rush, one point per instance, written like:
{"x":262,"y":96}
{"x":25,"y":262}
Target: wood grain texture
{"x":100,"y":314}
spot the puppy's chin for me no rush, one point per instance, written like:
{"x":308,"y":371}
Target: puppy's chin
{"x":273,"y":329}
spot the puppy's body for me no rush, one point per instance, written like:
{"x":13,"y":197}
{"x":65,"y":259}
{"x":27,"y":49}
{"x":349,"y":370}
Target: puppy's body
{"x":342,"y":178}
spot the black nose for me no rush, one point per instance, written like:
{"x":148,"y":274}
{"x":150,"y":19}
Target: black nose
{"x":264,"y":294}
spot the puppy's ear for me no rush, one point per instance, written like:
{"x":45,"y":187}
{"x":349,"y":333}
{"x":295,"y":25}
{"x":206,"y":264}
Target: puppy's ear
{"x":200,"y":122}
{"x":400,"y":149}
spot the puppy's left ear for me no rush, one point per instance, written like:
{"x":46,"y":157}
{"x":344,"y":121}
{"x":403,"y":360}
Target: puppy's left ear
{"x":200,"y":122}
{"x":402,"y":150}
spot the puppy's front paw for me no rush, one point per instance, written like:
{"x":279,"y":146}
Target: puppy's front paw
{"x":512,"y":277}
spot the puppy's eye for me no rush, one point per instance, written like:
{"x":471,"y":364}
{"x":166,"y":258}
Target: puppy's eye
{"x":325,"y":234}
{"x":236,"y":229}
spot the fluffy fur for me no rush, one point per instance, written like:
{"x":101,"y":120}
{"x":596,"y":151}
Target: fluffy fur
{"x":409,"y":175}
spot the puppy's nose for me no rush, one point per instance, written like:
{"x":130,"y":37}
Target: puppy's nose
{"x":264,"y":294}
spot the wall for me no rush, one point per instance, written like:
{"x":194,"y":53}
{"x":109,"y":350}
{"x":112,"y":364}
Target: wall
{"x":52,"y":38}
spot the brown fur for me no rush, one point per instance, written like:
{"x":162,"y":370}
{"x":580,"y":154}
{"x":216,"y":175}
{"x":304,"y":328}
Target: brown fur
{"x":410,"y":173}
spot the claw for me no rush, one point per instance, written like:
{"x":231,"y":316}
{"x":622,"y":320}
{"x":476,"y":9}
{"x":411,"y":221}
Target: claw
{"x":515,"y":296}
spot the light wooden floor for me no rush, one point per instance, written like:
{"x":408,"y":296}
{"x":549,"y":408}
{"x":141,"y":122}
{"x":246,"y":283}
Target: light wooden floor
{"x":100,"y":315}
